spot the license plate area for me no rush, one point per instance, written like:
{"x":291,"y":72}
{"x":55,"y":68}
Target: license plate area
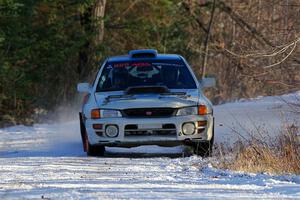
{"x":150,"y":130}
{"x":149,"y":126}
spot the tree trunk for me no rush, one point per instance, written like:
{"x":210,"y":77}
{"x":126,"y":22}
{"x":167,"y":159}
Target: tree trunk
{"x":98,"y":15}
{"x":92,"y":21}
{"x":206,"y":43}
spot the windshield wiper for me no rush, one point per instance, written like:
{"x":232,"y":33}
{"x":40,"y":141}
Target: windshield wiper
{"x":172,"y":93}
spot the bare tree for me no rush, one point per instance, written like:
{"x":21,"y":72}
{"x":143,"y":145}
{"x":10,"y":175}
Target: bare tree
{"x":92,"y":21}
{"x":98,"y":15}
{"x":206,"y":42}
{"x":278,"y":51}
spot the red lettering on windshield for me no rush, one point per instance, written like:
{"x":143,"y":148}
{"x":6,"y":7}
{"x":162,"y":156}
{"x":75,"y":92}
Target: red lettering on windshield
{"x":141,"y":64}
{"x":121,"y":64}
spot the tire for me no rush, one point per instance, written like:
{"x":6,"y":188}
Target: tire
{"x":204,"y":149}
{"x":83,"y":133}
{"x":95,"y":150}
{"x":91,"y":150}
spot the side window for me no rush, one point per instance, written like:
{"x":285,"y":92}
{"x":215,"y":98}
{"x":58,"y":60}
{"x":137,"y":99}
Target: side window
{"x":102,"y":81}
{"x":105,"y":79}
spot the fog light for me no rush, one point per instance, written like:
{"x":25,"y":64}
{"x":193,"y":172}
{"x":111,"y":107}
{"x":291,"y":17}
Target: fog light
{"x":111,"y":131}
{"x":188,"y":128}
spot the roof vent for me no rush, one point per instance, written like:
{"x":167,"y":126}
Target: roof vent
{"x":143,"y":53}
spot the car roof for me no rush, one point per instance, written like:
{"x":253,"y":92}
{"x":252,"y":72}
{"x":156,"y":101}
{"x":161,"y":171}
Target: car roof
{"x":131,"y":54}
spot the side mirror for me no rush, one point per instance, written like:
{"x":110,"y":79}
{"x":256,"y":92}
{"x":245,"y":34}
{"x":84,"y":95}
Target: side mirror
{"x":208,"y":82}
{"x":84,"y":87}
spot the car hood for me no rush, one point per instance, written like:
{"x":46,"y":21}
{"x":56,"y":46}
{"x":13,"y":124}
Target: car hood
{"x":147,"y":100}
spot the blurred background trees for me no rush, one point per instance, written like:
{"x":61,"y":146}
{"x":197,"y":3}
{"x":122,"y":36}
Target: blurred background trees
{"x":47,"y":47}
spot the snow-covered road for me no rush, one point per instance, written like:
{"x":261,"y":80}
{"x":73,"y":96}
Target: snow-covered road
{"x":46,"y":162}
{"x":126,"y":178}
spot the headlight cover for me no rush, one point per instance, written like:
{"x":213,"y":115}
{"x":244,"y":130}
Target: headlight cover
{"x":110,"y":113}
{"x":187,"y":111}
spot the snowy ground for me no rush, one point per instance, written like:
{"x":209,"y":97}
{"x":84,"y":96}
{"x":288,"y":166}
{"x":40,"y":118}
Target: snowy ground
{"x":47,"y":162}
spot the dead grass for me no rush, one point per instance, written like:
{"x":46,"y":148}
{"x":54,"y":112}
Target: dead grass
{"x":280,"y":156}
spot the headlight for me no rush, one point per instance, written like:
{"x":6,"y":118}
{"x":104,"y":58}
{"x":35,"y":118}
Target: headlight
{"x":187,"y":111}
{"x":110,"y":113}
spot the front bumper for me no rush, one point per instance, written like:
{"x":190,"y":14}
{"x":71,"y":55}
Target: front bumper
{"x":123,"y":140}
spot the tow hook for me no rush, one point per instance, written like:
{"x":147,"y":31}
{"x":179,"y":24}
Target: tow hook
{"x":187,"y":141}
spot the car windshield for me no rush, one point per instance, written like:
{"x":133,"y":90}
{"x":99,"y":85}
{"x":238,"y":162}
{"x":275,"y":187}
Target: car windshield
{"x":173,"y":74}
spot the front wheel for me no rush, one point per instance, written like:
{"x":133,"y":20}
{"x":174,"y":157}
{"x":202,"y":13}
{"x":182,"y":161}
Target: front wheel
{"x":204,"y":149}
{"x":95,"y":150}
{"x":91,"y":150}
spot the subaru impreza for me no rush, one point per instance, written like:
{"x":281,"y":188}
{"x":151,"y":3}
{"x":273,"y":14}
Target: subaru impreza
{"x":146,"y":98}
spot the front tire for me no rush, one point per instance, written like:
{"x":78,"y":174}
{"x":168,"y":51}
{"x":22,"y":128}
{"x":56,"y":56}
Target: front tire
{"x":95,"y":150}
{"x":91,"y":150}
{"x":204,"y":149}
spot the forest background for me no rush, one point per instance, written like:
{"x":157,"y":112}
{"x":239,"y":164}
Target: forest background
{"x":47,"y":47}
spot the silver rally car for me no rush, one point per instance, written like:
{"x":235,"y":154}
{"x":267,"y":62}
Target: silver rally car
{"x":146,"y":98}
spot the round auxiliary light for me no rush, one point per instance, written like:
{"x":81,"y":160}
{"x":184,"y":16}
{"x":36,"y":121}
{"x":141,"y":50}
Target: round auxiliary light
{"x":188,"y":128}
{"x":111,"y":131}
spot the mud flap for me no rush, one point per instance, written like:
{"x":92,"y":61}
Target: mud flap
{"x":83,"y":133}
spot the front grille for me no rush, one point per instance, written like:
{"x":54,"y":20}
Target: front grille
{"x":166,"y":130}
{"x":149,"y":112}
